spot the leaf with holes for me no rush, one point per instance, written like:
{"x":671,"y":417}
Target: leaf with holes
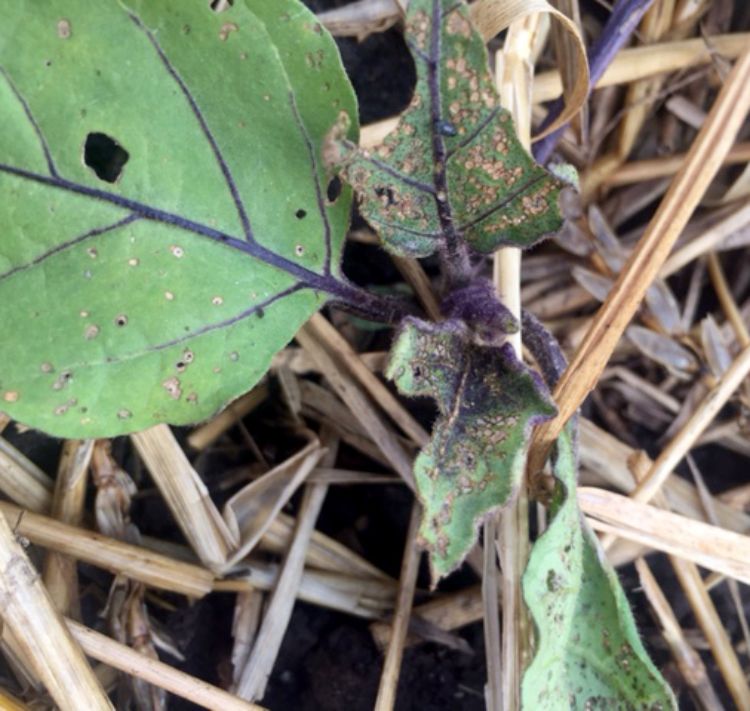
{"x":167,"y":224}
{"x":588,"y":649}
{"x":453,"y":170}
{"x":488,"y":402}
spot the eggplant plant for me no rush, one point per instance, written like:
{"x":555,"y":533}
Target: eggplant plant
{"x":176,"y":185}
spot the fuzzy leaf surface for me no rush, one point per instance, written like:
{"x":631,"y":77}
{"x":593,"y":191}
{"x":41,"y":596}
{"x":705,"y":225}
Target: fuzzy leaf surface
{"x":589,"y":654}
{"x":488,"y":402}
{"x":453,"y":169}
{"x":161,"y":296}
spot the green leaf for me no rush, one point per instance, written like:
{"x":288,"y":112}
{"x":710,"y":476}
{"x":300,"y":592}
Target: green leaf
{"x":589,"y":654}
{"x":453,"y":170}
{"x":163,"y":295}
{"x":488,"y":402}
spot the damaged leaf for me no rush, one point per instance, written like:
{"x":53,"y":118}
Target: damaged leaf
{"x":589,"y":654}
{"x":488,"y":403}
{"x":166,"y":221}
{"x":453,"y":170}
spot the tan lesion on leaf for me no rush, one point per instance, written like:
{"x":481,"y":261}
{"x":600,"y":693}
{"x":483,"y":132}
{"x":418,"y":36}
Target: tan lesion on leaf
{"x":458,"y":24}
{"x":384,"y":150}
{"x":314,"y":60}
{"x":465,"y":484}
{"x":533,"y":205}
{"x":444,"y":515}
{"x":441,"y":545}
{"x":536,"y":203}
{"x":172,"y":386}
{"x":336,"y":149}
{"x":62,"y":380}
{"x":226,"y":29}
{"x":62,"y":409}
{"x":418,"y":27}
{"x":64,"y":29}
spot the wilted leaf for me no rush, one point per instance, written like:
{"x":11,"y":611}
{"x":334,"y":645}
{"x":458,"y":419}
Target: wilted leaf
{"x":588,"y":653}
{"x":715,"y":348}
{"x":606,"y":242}
{"x":453,"y":170}
{"x":488,"y":402}
{"x":659,"y":296}
{"x":677,"y":359}
{"x":596,"y":284}
{"x":166,"y":227}
{"x":663,"y":305}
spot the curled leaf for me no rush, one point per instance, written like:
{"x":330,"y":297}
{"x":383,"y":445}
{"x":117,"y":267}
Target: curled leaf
{"x":589,"y":654}
{"x":488,"y":402}
{"x":453,"y":170}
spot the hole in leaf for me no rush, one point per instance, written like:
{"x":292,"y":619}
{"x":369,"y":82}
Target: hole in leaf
{"x":333,"y":190}
{"x":300,"y":214}
{"x":388,"y":194}
{"x":105,"y":156}
{"x":221,"y":5}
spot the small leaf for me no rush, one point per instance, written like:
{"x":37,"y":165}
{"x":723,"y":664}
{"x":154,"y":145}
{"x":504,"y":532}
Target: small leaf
{"x":488,"y":402}
{"x":163,"y":199}
{"x":453,"y":170}
{"x":589,"y":654}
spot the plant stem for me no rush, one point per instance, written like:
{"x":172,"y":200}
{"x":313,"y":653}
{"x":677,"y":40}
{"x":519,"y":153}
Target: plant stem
{"x":514,"y":72}
{"x":513,"y":526}
{"x":385,"y":309}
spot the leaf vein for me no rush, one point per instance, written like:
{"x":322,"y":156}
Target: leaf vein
{"x":316,"y":182}
{"x":231,"y":184}
{"x":95,"y":232}
{"x":398,"y":175}
{"x":476,"y":132}
{"x":225,"y":323}
{"x":35,"y":125}
{"x":503,"y":203}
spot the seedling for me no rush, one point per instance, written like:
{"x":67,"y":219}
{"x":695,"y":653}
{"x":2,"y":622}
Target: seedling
{"x":176,"y":189}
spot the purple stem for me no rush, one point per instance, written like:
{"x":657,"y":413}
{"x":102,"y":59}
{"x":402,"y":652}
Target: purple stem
{"x":621,"y":24}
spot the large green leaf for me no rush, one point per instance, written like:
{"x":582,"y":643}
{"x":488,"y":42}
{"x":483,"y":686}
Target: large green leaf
{"x":589,"y":654}
{"x":488,"y":403}
{"x":453,"y":170}
{"x":163,"y":295}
